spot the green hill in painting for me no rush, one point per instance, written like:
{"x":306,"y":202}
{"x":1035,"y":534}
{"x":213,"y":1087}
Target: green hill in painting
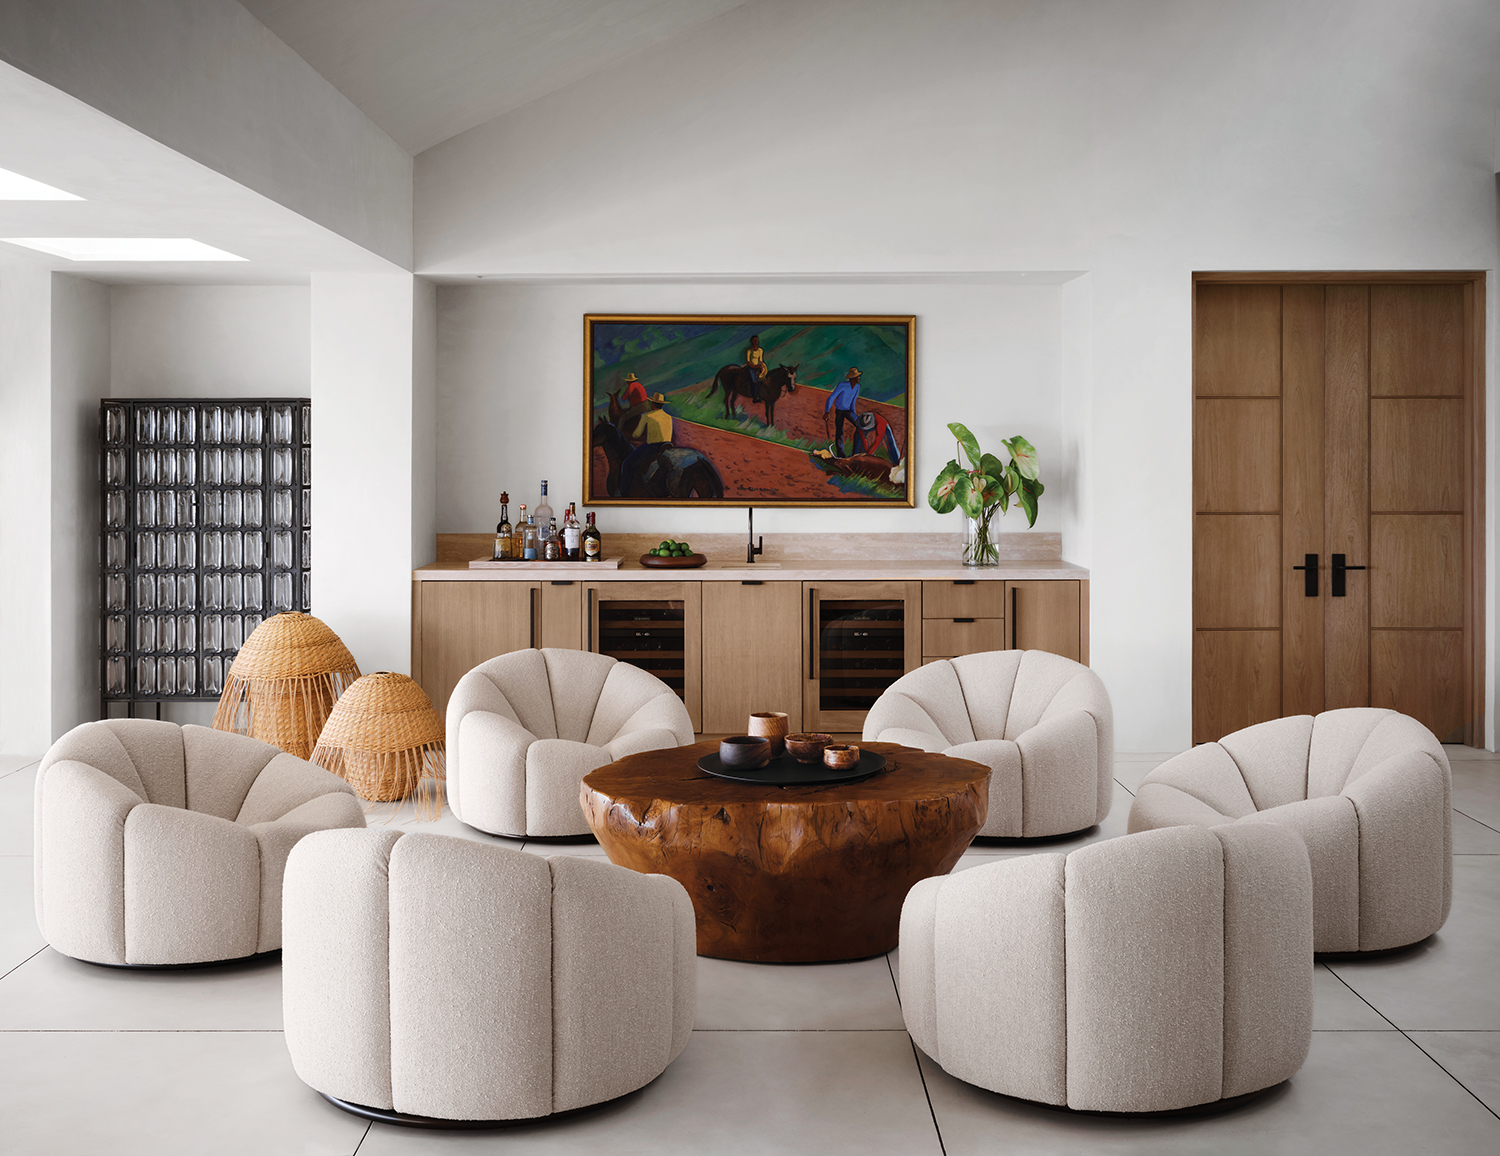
{"x":668,"y":357}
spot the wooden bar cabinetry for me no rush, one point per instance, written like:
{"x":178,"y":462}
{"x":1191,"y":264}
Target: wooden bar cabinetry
{"x":458,"y":625}
{"x":753,"y":657}
{"x":861,"y":637}
{"x":657,"y":626}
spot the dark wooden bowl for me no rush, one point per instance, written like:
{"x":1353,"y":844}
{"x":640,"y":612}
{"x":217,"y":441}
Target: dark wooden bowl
{"x":692,"y":561}
{"x":745,"y":752}
{"x":841,"y":756}
{"x":807,"y":748}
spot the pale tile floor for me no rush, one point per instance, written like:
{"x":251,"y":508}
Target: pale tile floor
{"x":813,"y":1059}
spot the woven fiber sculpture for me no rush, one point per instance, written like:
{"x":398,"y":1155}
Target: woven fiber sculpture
{"x":383,"y":737}
{"x":284,"y":682}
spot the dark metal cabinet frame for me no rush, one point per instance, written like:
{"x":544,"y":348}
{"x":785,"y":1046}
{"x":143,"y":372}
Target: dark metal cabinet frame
{"x":205,"y":531}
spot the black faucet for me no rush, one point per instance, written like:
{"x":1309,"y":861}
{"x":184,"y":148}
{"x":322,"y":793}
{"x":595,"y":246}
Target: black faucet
{"x":751,"y":548}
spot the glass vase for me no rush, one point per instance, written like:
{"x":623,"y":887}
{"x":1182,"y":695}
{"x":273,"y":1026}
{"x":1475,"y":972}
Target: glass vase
{"x":980,"y":546}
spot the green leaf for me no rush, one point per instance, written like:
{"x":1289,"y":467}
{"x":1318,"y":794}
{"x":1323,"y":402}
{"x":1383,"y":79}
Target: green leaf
{"x":944,"y":496}
{"x":989,"y":488}
{"x":1028,"y":503}
{"x":993,"y":466}
{"x":972,"y":496}
{"x":969,"y":442}
{"x":1022,"y":456}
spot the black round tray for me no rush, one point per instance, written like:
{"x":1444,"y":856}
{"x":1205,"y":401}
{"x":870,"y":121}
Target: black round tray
{"x":788,"y":772}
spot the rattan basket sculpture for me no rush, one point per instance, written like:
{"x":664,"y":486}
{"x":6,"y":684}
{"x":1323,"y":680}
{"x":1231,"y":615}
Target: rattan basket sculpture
{"x":284,"y":682}
{"x":384,"y":738}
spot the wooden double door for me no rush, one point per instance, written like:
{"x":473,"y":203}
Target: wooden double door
{"x":1338,"y":499}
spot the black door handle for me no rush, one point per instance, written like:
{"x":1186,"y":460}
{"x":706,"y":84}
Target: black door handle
{"x":1310,"y":576}
{"x":1337,"y":565}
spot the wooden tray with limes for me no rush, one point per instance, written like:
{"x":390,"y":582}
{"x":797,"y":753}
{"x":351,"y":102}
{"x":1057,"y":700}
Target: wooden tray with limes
{"x":674,"y":561}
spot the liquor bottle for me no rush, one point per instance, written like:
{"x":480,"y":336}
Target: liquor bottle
{"x":543,"y":511}
{"x":593,"y":542}
{"x":572,"y":535}
{"x":552,"y":544}
{"x":516,"y":540}
{"x":529,"y":539}
{"x":505,"y":543}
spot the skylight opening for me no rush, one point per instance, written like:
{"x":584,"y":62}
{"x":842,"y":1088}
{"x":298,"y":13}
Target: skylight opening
{"x":124,"y":248}
{"x":15,"y":187}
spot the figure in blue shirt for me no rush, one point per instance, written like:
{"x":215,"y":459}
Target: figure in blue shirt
{"x":841,"y":404}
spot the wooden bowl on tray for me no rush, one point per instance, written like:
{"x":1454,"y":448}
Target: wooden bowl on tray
{"x":841,"y":756}
{"x":745,"y":752}
{"x":807,"y":747}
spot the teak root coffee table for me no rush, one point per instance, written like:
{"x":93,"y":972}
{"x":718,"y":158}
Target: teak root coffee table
{"x":789,"y":874}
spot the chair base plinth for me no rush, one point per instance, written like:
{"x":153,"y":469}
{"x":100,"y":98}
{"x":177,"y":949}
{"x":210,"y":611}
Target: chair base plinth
{"x":258,"y":957}
{"x":1033,"y":840}
{"x":1373,"y":953}
{"x":440,"y":1124}
{"x":1212,"y":1108}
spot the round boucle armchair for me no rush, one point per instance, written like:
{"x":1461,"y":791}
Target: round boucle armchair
{"x":1148,"y":973}
{"x":164,"y":845}
{"x":524,"y":729}
{"x":1040,"y":722}
{"x":429,"y":979}
{"x":1369,"y":791}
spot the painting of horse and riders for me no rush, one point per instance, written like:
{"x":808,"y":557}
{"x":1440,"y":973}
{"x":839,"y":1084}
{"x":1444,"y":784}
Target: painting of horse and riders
{"x":748,"y":411}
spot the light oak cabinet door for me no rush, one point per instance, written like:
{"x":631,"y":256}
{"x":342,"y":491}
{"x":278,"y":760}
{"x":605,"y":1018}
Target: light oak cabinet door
{"x":461,"y":624}
{"x":656,"y":626}
{"x":1045,"y":616}
{"x":752,"y":636}
{"x":561,"y":622}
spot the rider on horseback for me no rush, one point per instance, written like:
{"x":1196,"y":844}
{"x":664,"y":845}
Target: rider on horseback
{"x":755,"y":364}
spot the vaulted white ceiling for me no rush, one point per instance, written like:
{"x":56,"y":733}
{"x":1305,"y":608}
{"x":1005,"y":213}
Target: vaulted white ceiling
{"x":426,"y":70}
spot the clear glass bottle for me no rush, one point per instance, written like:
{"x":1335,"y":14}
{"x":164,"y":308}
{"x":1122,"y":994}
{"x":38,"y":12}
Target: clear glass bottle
{"x":552,"y":544}
{"x":593,"y":541}
{"x":543,"y":512}
{"x":518,"y":536}
{"x":529,"y":539}
{"x":572,"y":535}
{"x":505,"y":542}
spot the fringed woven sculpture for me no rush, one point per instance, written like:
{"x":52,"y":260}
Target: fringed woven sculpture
{"x":384,"y":738}
{"x":284,"y":682}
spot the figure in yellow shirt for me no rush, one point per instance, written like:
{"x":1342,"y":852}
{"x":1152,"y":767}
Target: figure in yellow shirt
{"x":755,"y":363}
{"x":656,"y":425}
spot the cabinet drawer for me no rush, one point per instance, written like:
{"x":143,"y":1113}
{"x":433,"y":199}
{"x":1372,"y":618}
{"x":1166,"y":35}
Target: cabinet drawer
{"x":945,"y":638}
{"x":955,"y":600}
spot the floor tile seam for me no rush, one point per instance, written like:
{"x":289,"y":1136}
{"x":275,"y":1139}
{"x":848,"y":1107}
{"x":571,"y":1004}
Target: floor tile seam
{"x":1345,"y":1031}
{"x":24,"y":962}
{"x":931,"y":1108}
{"x":1450,"y":1031}
{"x":1451,"y":1076}
{"x":1361,"y":998}
{"x":18,"y":770}
{"x":1124,"y":788}
{"x":1481,"y":822}
{"x":365,"y":1135}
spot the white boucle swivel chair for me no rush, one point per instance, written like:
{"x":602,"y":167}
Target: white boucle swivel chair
{"x":524,"y":729}
{"x":160,"y":845}
{"x":1369,"y":791}
{"x":1041,"y":723}
{"x":429,"y":979}
{"x":1148,"y":973}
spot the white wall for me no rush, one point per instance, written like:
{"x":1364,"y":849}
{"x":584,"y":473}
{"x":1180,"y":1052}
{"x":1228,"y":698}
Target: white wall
{"x":207,"y":79}
{"x":210,"y":341}
{"x":80,"y":378}
{"x":364,"y":357}
{"x":511,"y":404}
{"x":1138,"y":141}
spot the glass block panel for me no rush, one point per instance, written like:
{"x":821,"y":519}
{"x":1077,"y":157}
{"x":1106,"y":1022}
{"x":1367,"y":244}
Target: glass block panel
{"x":234,"y":425}
{"x":114,"y":507}
{"x":167,"y":425}
{"x":251,"y":622}
{"x":234,"y":591}
{"x":166,"y":467}
{"x":307,"y":424}
{"x":145,"y":467}
{"x":307,"y":592}
{"x":145,"y":677}
{"x":213,"y":675}
{"x":166,"y":551}
{"x":281,"y":550}
{"x":307,"y":547}
{"x":114,"y":632}
{"x":145,"y":425}
{"x":166,"y":592}
{"x":187,"y":425}
{"x":187,"y":676}
{"x":234,"y":466}
{"x":187,"y":467}
{"x":281,"y":593}
{"x":115,"y":592}
{"x":213,"y":592}
{"x":281,"y":424}
{"x":114,"y":676}
{"x":145,"y":551}
{"x":145,"y":592}
{"x":281,"y":467}
{"x":234,"y":552}
{"x":255,"y":550}
{"x":213,"y":466}
{"x":234,"y":507}
{"x":187,"y":632}
{"x":306,"y":477}
{"x":254,"y":591}
{"x":234,"y":636}
{"x":254,"y":508}
{"x":213,"y":508}
{"x":166,"y":633}
{"x":145,"y":508}
{"x":213,"y":632}
{"x":213,"y":549}
{"x":187,"y":592}
{"x":166,"y":676}
{"x":187,"y":508}
{"x":145,"y":632}
{"x":213,"y":425}
{"x":281,"y":508}
{"x":114,"y":425}
{"x":187,"y":549}
{"x":253,"y":460}
{"x":166,"y":509}
{"x":114,"y":468}
{"x":306,"y":506}
{"x":255,"y":425}
{"x":115,"y":551}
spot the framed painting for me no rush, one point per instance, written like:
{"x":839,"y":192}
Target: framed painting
{"x":748,"y":410}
